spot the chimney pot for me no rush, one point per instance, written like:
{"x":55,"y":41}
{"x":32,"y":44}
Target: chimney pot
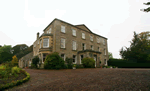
{"x":38,"y":35}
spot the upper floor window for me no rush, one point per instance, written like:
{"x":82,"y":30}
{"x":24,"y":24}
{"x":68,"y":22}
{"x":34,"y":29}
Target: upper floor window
{"x":98,"y":40}
{"x":73,"y":32}
{"x":62,"y":43}
{"x":40,"y":43}
{"x":83,"y":46}
{"x":63,"y":29}
{"x":74,"y":45}
{"x":49,"y":31}
{"x":104,"y":42}
{"x":83,"y":35}
{"x":92,"y":48}
{"x":91,"y":37}
{"x":104,"y":51}
{"x":45,"y":42}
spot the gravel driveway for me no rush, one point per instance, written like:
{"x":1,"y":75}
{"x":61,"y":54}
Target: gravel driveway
{"x":94,"y":79}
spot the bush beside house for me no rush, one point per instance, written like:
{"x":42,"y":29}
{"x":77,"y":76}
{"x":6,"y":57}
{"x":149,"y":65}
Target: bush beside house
{"x":88,"y":62}
{"x":35,"y":61}
{"x":54,"y":61}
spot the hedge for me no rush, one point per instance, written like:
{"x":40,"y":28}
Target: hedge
{"x":120,"y":63}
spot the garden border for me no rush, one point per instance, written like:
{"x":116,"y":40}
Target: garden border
{"x":15,"y":83}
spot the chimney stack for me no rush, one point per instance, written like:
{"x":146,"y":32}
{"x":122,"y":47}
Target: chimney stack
{"x":38,"y":35}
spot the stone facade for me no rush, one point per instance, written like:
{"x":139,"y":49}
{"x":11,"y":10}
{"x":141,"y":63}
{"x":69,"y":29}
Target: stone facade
{"x":54,"y":43}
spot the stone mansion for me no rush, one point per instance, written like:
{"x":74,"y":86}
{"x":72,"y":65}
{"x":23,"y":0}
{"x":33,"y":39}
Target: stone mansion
{"x":72,"y":41}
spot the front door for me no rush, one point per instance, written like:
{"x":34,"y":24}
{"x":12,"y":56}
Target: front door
{"x":95,"y":58}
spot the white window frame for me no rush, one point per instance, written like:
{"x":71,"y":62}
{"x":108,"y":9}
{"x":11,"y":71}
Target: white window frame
{"x":45,"y":40}
{"x":62,"y":43}
{"x":63,"y":29}
{"x":98,"y":40}
{"x":105,"y":62}
{"x":75,"y":59}
{"x":91,"y":37}
{"x":64,"y":56}
{"x":83,"y":35}
{"x":73,"y":32}
{"x":92,"y":47}
{"x":84,"y":46}
{"x":80,"y":59}
{"x":74,"y":44}
{"x":49,"y":31}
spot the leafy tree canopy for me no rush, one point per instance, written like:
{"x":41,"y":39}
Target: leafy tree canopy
{"x":139,"y":49}
{"x":6,"y":48}
{"x":21,"y":50}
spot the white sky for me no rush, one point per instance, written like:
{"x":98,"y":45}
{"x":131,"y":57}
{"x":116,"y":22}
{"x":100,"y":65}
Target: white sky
{"x":116,"y":20}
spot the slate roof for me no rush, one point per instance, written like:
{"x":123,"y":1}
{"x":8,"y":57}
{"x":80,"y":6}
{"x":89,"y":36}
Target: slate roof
{"x":27,"y":56}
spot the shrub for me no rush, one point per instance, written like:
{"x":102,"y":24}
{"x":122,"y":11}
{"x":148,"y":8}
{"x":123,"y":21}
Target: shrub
{"x":35,"y":61}
{"x":33,"y":66}
{"x":79,"y":66}
{"x":54,"y":61}
{"x":65,"y":66}
{"x":15,"y":70}
{"x":88,"y":62}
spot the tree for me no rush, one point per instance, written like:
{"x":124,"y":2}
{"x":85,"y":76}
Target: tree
{"x":110,"y":55}
{"x":0,"y":46}
{"x":147,"y":9}
{"x":21,"y":50}
{"x":5,"y":53}
{"x":15,"y":60}
{"x":139,"y":49}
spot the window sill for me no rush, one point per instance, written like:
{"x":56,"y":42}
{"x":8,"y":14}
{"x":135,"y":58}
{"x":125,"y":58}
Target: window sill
{"x":83,"y":39}
{"x":74,"y":36}
{"x":63,"y":32}
{"x":63,"y":48}
{"x":74,"y":50}
{"x":46,"y":47}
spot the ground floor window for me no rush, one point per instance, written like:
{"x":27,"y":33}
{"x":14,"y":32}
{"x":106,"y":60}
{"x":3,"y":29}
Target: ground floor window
{"x":44,"y":56}
{"x":81,"y":57}
{"x":105,"y":62}
{"x":63,"y":56}
{"x":74,"y":58}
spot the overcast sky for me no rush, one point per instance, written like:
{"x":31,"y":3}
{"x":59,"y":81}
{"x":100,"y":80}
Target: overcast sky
{"x":116,"y":20}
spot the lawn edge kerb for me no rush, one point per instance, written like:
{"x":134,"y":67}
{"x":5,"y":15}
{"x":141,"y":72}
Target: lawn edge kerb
{"x":16,"y":83}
